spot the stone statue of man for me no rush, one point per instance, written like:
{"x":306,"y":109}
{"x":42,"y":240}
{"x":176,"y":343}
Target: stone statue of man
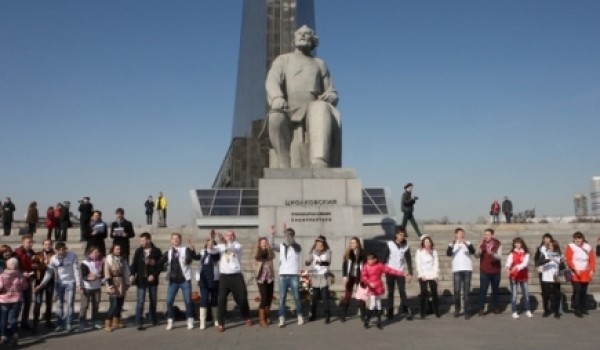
{"x":304,"y":125}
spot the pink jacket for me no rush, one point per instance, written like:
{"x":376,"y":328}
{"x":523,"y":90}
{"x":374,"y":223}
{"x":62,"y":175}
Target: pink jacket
{"x":371,"y":276}
{"x":12,"y":284}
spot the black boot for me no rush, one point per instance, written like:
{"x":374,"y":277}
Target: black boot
{"x":423,"y":310}
{"x":344,"y":311}
{"x":327,"y":317}
{"x":408,"y":312}
{"x":362,"y":306}
{"x":368,"y":318}
{"x":313,"y":311}
{"x":379,"y":325}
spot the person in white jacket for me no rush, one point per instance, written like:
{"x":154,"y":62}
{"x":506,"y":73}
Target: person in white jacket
{"x":231,"y":279}
{"x":64,"y":268}
{"x":428,"y":271}
{"x":461,"y":251}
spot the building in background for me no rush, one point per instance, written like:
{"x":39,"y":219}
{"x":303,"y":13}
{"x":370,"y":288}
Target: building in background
{"x":267,"y":31}
{"x":595,"y":196}
{"x":581,"y":205}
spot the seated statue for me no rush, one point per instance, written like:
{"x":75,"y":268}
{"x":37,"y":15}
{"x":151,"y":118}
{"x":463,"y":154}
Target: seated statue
{"x":304,"y":125}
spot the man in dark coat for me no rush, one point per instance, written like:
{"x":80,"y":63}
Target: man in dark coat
{"x":144,"y":274}
{"x":8,"y":208}
{"x":507,"y":209}
{"x":85,"y":215}
{"x":408,"y":206}
{"x":64,"y":222}
{"x":121,"y":231}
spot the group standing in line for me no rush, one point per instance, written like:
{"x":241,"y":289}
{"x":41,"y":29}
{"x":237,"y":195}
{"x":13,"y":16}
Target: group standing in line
{"x":29,"y":277}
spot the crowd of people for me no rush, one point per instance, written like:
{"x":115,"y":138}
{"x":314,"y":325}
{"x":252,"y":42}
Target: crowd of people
{"x":58,"y":217}
{"x":55,"y":275}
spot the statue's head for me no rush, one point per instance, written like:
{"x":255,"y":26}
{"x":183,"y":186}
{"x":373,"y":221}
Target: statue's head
{"x":305,"y":37}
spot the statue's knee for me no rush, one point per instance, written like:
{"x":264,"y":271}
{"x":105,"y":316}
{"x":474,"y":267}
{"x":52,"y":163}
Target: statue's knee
{"x":319,"y":107}
{"x":277,"y":119}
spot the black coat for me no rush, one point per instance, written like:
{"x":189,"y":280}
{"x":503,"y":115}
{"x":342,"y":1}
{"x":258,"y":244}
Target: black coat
{"x":8,"y":208}
{"x":123,"y":241}
{"x":64,"y":221}
{"x":86,"y":210}
{"x":98,"y":238}
{"x":141,"y":271}
{"x":408,"y":202}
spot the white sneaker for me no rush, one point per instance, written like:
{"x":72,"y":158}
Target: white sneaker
{"x":169,"y":324}
{"x":300,"y":320}
{"x":529,"y":314}
{"x":281,"y":322}
{"x":190,"y":323}
{"x":515,"y":315}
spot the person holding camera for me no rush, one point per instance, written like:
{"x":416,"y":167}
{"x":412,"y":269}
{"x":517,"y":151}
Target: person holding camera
{"x":408,"y":206}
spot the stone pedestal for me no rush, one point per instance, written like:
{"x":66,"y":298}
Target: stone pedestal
{"x":313,"y":202}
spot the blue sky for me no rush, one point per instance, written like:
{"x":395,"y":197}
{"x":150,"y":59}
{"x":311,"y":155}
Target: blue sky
{"x":469,"y":100}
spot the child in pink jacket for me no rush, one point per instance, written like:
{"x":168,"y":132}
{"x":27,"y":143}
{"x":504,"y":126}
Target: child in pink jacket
{"x":370,"y":277}
{"x":12,"y":284}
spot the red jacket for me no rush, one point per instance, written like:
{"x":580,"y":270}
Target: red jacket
{"x":518,"y":259}
{"x":50,"y":219}
{"x":371,"y":276}
{"x":24,"y":260}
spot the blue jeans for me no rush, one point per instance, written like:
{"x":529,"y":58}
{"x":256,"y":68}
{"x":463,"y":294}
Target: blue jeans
{"x":141,"y":299}
{"x":485,"y":279}
{"x":524,"y":292}
{"x":285,"y":282}
{"x":186,"y":289}
{"x":65,"y":294}
{"x":115,"y":306}
{"x":462,"y":279}
{"x":8,"y":318}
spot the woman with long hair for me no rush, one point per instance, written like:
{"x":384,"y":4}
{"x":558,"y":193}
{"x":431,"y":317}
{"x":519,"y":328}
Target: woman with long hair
{"x":351,"y":266}
{"x":547,"y":239}
{"x":549,"y":265}
{"x":264,"y":272}
{"x":319,"y":260}
{"x":428,"y":272}
{"x":116,"y":274}
{"x":516,"y":264}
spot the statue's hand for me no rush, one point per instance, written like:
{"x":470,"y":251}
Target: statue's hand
{"x":330,"y":97}
{"x":279,"y":103}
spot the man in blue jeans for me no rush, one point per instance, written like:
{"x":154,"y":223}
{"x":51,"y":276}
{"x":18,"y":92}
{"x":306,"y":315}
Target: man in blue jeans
{"x":144,"y":275}
{"x":489,"y":253}
{"x":289,"y":272}
{"x":65,"y":269}
{"x":179,"y":275}
{"x":461,"y":250}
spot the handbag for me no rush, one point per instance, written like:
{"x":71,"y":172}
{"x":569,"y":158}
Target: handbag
{"x":563,"y":276}
{"x":362,"y":293}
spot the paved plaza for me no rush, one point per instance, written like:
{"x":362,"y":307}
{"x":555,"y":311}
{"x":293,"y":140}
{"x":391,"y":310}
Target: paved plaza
{"x":488,"y":332}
